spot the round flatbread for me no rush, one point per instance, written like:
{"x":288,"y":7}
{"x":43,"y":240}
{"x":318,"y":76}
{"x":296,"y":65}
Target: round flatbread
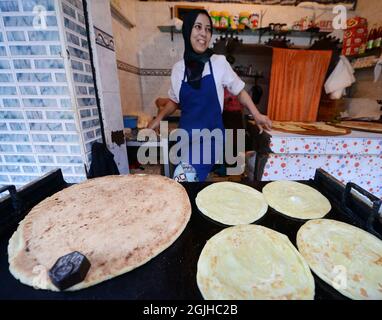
{"x":296,"y":200}
{"x":231,"y":203}
{"x":345,"y":257}
{"x":253,"y":262}
{"x":117,"y":222}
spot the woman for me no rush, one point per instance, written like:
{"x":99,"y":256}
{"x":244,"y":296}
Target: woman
{"x":197,"y":86}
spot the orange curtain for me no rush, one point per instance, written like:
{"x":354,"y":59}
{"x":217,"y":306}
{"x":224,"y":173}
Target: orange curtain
{"x":297,"y":78}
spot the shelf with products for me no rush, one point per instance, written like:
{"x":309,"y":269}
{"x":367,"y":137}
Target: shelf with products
{"x":257,"y":32}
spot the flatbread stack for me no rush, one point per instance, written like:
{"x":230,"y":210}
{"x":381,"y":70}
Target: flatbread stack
{"x":253,"y":262}
{"x":231,"y":203}
{"x":309,"y":128}
{"x":347,"y":258}
{"x":117,"y":222}
{"x":296,"y":200}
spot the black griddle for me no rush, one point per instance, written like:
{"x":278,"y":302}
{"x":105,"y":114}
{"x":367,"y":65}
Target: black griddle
{"x":172,"y":274}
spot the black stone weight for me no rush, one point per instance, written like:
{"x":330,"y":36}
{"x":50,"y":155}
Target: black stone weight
{"x":69,"y":270}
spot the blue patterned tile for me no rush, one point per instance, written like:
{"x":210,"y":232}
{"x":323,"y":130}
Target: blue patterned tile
{"x":60,"y":77}
{"x":79,"y":170}
{"x":22,"y":64}
{"x":38,"y":103}
{"x":36,"y":21}
{"x":51,"y":149}
{"x":6,"y":148}
{"x":55,"y":50}
{"x":23,"y":179}
{"x":28,"y":5}
{"x":30,"y":169}
{"x":9,"y":6}
{"x":98,"y":132}
{"x":17,"y":158}
{"x":49,"y":64}
{"x":76,"y":65}
{"x":78,"y":53}
{"x":95,"y":112}
{"x":68,"y":10}
{"x":4,"y":64}
{"x":75,"y":150}
{"x":72,"y":179}
{"x":6,"y":77}
{"x":34,"y":77}
{"x":43,"y":36}
{"x":34,"y":114}
{"x":17,"y":126}
{"x":91,"y":90}
{"x":1,"y":37}
{"x":85,"y":113}
{"x":54,"y":90}
{"x":64,"y":115}
{"x":10,"y":168}
{"x":4,"y":178}
{"x":11,"y":103}
{"x":45,"y":159}
{"x":64,"y":138}
{"x":72,"y":38}
{"x":84,"y":44}
{"x":16,"y":36}
{"x":74,"y":27}
{"x":3,"y":127}
{"x":76,"y":3}
{"x":28,"y":90}
{"x":81,"y":18}
{"x":70,"y":127}
{"x":24,"y":148}
{"x":3,"y":51}
{"x":11,"y":115}
{"x":28,"y":50}
{"x":84,"y":102}
{"x":18,"y":21}
{"x":65,"y":103}
{"x":82,"y":78}
{"x":8,"y":91}
{"x":14,"y":137}
{"x":89,"y":135}
{"x":88,"y":146}
{"x":88,"y":68}
{"x":81,"y":90}
{"x":45,"y":126}
{"x":70,"y":159}
{"x":40,"y":138}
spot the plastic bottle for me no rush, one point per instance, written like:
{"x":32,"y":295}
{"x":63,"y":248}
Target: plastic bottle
{"x":378,"y":41}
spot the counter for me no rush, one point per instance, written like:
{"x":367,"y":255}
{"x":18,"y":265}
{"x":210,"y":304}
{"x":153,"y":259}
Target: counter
{"x":356,"y":157}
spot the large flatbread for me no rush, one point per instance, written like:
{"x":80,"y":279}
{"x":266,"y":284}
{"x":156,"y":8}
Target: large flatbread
{"x":296,"y":200}
{"x":347,"y":258}
{"x":309,"y":128}
{"x":231,"y":203}
{"x":117,"y":222}
{"x":253,"y":262}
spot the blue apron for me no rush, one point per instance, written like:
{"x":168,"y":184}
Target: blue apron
{"x":201,"y":110}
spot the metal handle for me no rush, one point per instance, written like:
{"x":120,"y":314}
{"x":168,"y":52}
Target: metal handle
{"x":375,"y":202}
{"x":17,"y":203}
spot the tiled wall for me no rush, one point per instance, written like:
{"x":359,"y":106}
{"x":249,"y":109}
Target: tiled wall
{"x":81,"y":72}
{"x":38,"y":127}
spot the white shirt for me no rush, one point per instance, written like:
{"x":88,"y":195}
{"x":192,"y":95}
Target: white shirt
{"x":224,"y":77}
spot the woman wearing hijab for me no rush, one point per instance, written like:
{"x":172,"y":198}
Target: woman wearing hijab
{"x":197,"y":86}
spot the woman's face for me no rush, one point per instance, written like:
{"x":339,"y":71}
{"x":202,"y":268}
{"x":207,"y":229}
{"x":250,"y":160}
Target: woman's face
{"x":201,"y":34}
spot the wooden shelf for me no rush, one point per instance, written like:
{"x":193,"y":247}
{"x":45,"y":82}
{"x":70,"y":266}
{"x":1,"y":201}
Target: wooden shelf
{"x":257,"y":32}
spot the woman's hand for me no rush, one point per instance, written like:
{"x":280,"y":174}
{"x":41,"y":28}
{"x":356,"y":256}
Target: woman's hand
{"x":263,"y":122}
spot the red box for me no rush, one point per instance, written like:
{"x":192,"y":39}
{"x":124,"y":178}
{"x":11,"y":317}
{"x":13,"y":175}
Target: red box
{"x":354,"y":41}
{"x":351,"y":50}
{"x":356,"y":22}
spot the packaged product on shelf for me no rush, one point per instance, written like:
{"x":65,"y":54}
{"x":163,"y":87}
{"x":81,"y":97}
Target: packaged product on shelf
{"x":215,"y":17}
{"x":234,"y":21}
{"x":224,"y":19}
{"x":253,"y":21}
{"x":244,"y":20}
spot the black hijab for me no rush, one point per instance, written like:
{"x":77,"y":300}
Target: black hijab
{"x":194,"y":62}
